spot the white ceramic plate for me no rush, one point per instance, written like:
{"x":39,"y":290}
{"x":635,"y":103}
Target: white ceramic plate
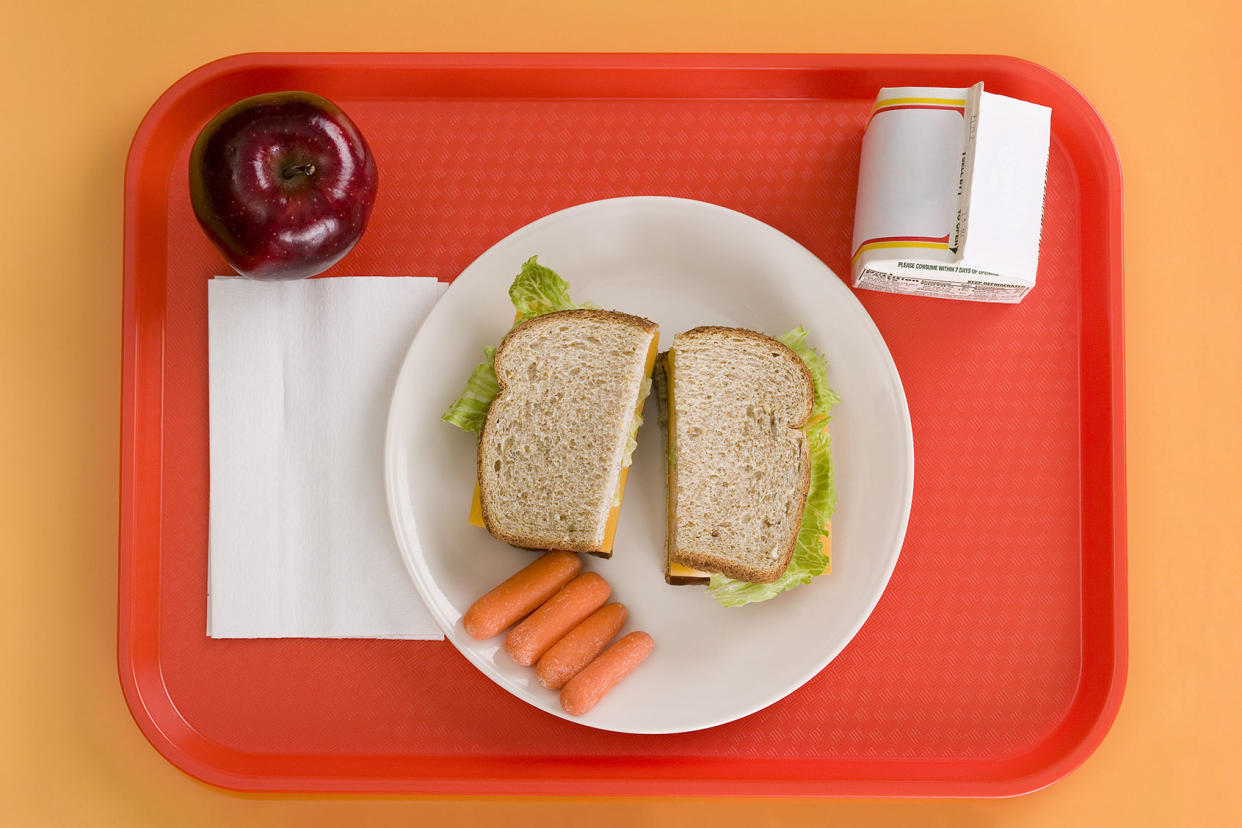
{"x":681,"y":264}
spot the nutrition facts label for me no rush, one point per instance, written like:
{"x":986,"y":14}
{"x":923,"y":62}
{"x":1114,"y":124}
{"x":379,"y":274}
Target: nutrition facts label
{"x":979,"y":291}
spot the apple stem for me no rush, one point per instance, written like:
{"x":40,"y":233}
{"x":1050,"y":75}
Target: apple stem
{"x":298,"y":169}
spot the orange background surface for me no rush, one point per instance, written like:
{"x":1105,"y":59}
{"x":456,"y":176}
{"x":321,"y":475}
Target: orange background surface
{"x":77,"y":78}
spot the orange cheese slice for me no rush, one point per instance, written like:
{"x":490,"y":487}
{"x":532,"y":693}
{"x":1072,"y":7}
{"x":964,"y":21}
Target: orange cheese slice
{"x":676,"y":570}
{"x":476,"y":510}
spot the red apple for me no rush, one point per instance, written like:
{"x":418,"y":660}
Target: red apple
{"x":283,"y":184}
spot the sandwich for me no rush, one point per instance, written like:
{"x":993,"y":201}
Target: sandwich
{"x":750,"y":493}
{"x":557,"y":406}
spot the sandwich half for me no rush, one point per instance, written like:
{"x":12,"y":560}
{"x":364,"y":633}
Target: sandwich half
{"x":557,"y":406}
{"x":560,"y":431}
{"x":749,"y":471}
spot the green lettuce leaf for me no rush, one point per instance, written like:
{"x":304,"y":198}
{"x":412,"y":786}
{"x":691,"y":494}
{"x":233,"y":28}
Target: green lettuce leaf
{"x":468,"y":410}
{"x":536,"y":290}
{"x":825,"y":397}
{"x":808,"y":558}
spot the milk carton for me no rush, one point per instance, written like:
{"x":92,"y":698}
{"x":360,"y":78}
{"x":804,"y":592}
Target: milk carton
{"x":951,"y":194}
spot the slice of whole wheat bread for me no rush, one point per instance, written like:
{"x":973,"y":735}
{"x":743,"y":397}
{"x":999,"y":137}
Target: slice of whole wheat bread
{"x":552,"y":444}
{"x":739,"y":469}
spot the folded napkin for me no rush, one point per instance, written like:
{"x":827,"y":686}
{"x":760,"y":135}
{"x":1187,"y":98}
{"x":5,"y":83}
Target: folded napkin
{"x":301,"y":376}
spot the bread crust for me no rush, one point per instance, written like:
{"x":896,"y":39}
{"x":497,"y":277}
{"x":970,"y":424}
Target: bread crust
{"x":700,"y":560}
{"x":527,"y":541}
{"x":659,"y":381}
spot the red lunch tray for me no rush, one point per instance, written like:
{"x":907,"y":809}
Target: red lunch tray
{"x":996,"y":659}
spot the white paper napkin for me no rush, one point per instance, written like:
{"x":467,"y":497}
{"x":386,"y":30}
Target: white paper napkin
{"x":301,"y":376}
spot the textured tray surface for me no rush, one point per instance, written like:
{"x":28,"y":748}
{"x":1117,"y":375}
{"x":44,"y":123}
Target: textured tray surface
{"x":977,"y":648}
